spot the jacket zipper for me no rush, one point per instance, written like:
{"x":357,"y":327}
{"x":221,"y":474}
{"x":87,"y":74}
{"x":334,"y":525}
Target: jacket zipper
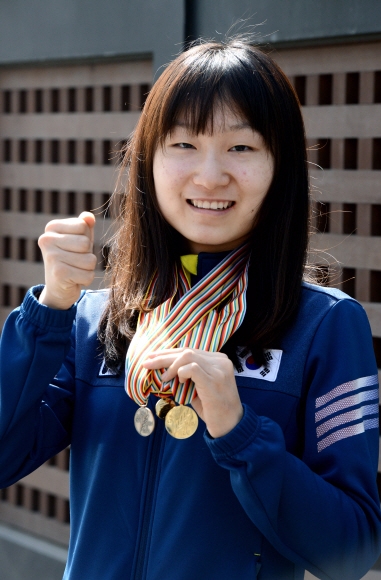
{"x":147,"y":513}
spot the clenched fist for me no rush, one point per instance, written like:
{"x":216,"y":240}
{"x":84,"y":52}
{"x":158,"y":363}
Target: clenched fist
{"x":67,"y":249}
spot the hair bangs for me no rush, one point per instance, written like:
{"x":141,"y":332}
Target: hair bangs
{"x":212,"y":81}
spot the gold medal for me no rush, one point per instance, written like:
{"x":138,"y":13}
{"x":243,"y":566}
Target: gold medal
{"x":181,"y":422}
{"x":144,"y":421}
{"x":163,"y":406}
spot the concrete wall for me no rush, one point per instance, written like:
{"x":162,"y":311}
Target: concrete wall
{"x":46,"y":30}
{"x":287,"y":21}
{"x":76,"y":177}
{"x":64,"y":30}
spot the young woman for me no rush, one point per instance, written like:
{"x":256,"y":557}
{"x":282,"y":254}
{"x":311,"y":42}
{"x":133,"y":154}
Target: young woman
{"x":206,"y":317}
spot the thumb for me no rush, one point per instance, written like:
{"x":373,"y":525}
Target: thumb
{"x":89,"y":220}
{"x":88,"y":217}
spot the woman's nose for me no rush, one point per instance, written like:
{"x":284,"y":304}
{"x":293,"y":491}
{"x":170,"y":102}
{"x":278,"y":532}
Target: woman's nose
{"x":210,"y":173}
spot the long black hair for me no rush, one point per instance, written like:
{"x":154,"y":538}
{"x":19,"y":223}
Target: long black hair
{"x":208,"y":76}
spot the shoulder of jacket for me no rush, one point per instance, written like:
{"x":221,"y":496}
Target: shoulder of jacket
{"x":325,"y":297}
{"x":317,"y":304}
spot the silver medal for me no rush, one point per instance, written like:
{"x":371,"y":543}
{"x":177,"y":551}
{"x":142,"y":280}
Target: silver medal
{"x":144,"y":421}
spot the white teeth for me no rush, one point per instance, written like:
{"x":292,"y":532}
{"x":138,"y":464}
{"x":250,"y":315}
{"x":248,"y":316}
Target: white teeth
{"x":211,"y":204}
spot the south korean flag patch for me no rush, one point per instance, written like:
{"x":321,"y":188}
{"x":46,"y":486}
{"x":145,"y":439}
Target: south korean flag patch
{"x":247,"y":367}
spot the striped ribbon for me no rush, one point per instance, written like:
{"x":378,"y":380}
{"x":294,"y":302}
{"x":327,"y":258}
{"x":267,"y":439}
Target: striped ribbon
{"x":194,"y":321}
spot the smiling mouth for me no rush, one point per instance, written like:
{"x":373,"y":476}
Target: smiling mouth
{"x":204,"y":204}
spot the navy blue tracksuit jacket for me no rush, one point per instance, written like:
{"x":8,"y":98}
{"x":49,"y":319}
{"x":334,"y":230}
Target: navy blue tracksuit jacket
{"x":291,"y":487}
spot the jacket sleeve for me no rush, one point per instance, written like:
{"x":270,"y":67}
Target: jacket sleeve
{"x":36,"y":388}
{"x":320,"y":511}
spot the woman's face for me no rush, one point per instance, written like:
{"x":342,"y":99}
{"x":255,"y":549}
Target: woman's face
{"x":209,"y":186}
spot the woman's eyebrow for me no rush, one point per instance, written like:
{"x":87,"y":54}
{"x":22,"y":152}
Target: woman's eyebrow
{"x":235,"y":127}
{"x":239,"y":126}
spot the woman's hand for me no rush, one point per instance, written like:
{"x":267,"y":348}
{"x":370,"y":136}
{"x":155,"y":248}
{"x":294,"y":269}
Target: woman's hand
{"x":217,"y":401}
{"x":67,"y":247}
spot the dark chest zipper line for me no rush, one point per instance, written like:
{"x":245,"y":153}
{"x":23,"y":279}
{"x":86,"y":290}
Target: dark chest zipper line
{"x":139,"y":572}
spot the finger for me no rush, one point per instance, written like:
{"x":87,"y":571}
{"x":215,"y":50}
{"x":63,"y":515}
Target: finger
{"x":192,"y":371}
{"x":167,"y":362}
{"x":173,"y":359}
{"x":69,"y":226}
{"x":170,"y":351}
{"x":58,"y":262}
{"x":69,"y":275}
{"x":78,"y":261}
{"x":173,"y":363}
{"x":89,"y":219}
{"x":71,"y":243}
{"x":173,"y":350}
{"x":159,"y":361}
{"x":197,"y":406}
{"x":165,"y":351}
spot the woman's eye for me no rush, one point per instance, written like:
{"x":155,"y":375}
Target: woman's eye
{"x":240,"y":148}
{"x":184,"y":145}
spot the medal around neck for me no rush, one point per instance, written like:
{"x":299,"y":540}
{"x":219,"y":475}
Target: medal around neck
{"x":201,"y":317}
{"x":163,"y":406}
{"x":181,"y":422}
{"x":144,"y":421}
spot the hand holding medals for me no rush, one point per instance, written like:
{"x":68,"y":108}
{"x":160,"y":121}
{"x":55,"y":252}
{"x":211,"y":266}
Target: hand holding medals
{"x":217,"y":401}
{"x":185,"y":339}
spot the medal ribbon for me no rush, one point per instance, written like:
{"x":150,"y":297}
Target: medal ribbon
{"x":195,"y":321}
